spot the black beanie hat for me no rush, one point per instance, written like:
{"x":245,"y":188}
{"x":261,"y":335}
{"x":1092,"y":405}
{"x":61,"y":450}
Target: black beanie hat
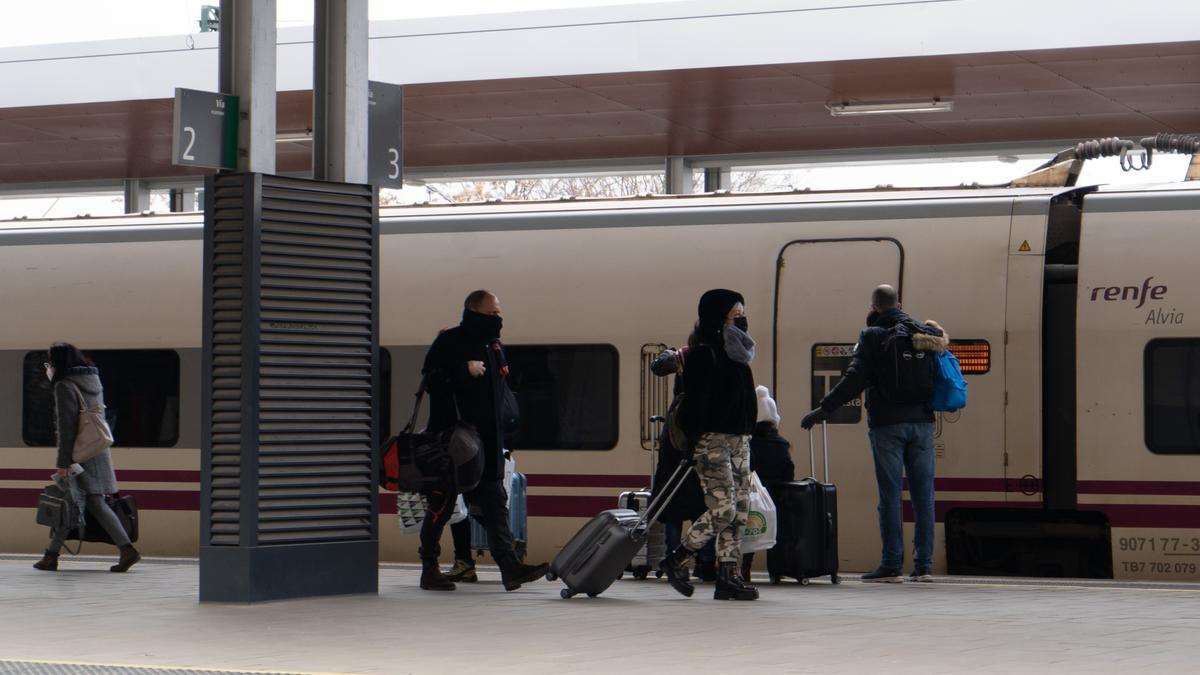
{"x":714,"y":307}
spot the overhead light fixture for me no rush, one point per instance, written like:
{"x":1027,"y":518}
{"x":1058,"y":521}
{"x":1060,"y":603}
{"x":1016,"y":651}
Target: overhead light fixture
{"x":293,"y":136}
{"x":846,"y":109}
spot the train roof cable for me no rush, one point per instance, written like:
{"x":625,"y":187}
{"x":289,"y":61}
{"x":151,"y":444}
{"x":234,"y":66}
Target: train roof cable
{"x":1063,"y":169}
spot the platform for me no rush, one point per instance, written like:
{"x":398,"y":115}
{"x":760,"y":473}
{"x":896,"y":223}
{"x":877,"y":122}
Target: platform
{"x":150,"y":618}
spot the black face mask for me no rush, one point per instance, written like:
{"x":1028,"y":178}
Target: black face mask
{"x":742,"y":324}
{"x":484,"y":326}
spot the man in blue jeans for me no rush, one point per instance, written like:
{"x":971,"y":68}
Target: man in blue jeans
{"x":900,"y":424}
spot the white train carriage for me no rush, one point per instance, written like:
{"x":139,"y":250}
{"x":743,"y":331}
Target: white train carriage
{"x":589,"y":287}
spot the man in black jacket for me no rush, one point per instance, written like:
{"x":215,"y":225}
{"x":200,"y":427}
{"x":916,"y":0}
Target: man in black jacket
{"x":465,"y":373}
{"x":901,"y":435}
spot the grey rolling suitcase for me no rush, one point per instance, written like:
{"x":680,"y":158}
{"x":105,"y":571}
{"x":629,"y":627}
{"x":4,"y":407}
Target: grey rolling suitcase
{"x":654,"y":549}
{"x":599,"y":553}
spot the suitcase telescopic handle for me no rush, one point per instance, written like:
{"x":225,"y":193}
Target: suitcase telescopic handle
{"x":665,"y":495}
{"x":812,"y":454}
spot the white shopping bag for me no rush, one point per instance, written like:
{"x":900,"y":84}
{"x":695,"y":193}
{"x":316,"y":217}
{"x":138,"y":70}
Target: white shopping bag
{"x":761,"y":521}
{"x":410,"y":509}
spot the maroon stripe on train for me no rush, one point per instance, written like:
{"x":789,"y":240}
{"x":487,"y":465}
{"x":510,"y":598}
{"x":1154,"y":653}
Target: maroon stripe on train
{"x":1139,"y":487}
{"x":587,"y":480}
{"x":135,"y":475}
{"x":154,"y":500}
{"x":566,"y":506}
{"x":941,"y":507}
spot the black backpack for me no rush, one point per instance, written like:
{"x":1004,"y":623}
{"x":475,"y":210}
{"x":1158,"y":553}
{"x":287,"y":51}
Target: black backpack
{"x":906,"y":374}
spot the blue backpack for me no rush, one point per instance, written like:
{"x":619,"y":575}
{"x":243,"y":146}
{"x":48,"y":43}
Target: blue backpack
{"x":949,"y":387}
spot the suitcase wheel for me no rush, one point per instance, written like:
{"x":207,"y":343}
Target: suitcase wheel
{"x":566,"y":594}
{"x":835,"y":579}
{"x":803,"y":581}
{"x":620,"y":576}
{"x":658,"y":574}
{"x":775,"y":580}
{"x":551,"y":576}
{"x":641,"y":574}
{"x":592,"y":595}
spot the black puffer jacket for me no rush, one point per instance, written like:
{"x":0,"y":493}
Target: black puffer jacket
{"x":688,"y":502}
{"x":718,"y":394}
{"x":771,"y":456}
{"x":863,"y":373}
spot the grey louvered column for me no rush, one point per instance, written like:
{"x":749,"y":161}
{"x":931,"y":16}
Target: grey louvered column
{"x":291,"y":350}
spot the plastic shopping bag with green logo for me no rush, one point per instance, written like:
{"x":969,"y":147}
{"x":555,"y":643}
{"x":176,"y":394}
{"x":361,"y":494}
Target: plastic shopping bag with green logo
{"x":759,"y":534}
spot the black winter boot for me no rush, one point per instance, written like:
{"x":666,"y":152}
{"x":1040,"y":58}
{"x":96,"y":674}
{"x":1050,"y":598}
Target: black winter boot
{"x":730,"y":586}
{"x":674,"y":566}
{"x":706,"y":570}
{"x":129,"y":557}
{"x":432,"y":579}
{"x":514,"y":573}
{"x":48,"y":563}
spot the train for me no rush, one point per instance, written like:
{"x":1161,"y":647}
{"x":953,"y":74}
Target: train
{"x":1072,"y":310}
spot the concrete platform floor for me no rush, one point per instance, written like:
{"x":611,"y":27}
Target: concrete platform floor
{"x":150,"y":617}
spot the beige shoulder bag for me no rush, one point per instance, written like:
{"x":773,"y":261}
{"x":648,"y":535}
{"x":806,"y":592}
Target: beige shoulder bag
{"x":92,"y":435}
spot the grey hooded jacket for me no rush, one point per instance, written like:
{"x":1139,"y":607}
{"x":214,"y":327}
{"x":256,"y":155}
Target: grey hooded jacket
{"x":98,"y":476}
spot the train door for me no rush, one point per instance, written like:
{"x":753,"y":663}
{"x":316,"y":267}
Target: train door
{"x":822,"y":296}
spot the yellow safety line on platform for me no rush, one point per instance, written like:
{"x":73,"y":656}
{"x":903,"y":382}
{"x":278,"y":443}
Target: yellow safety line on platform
{"x":171,"y":667}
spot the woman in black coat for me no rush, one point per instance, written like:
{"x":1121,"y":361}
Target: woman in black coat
{"x":717,"y":416}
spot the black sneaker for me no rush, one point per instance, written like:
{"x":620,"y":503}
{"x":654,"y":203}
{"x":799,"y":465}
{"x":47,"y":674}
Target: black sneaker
{"x":883,"y":575}
{"x":922,"y":574}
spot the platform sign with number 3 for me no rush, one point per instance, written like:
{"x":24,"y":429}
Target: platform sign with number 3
{"x":385,"y":118}
{"x":205,"y":132}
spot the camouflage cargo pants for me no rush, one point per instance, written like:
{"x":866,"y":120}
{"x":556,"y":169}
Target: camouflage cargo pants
{"x":723,"y":465}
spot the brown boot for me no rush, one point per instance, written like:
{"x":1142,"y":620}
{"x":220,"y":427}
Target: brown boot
{"x":48,"y":563}
{"x":129,"y":557}
{"x":432,"y":578}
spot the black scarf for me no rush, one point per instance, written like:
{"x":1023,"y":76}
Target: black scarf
{"x":484,"y":327}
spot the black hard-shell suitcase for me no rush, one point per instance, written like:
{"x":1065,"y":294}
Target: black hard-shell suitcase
{"x":599,"y":553}
{"x":807,"y":534}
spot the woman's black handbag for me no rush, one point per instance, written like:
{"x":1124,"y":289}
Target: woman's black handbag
{"x":126,"y":509}
{"x":420,"y":461}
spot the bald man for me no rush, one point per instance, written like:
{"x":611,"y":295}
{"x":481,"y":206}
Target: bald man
{"x":900,"y":426}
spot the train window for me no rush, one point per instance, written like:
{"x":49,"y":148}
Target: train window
{"x":567,"y":394}
{"x":974,"y":356}
{"x":141,"y":393}
{"x":1172,"y":373}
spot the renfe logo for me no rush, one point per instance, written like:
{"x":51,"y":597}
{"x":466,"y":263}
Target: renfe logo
{"x":1132,"y":293}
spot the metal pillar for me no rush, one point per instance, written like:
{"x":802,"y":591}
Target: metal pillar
{"x":340,"y":90}
{"x":289,"y":416}
{"x":247,"y":70}
{"x":717,"y":178}
{"x":137,"y":195}
{"x":182,"y":199}
{"x":678,"y":178}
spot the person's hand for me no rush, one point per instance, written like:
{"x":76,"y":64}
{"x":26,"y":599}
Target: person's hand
{"x":811,"y":419}
{"x":476,"y":368}
{"x":60,"y":473}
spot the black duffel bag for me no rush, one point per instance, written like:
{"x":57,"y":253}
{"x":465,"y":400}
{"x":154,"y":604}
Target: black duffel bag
{"x":419,"y":461}
{"x":126,"y":509}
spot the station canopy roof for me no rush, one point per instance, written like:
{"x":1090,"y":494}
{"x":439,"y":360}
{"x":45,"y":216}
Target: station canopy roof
{"x":644,"y":81}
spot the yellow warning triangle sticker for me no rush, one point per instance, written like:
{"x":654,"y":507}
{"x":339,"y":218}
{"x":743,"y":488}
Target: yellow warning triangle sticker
{"x":1024,"y":247}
